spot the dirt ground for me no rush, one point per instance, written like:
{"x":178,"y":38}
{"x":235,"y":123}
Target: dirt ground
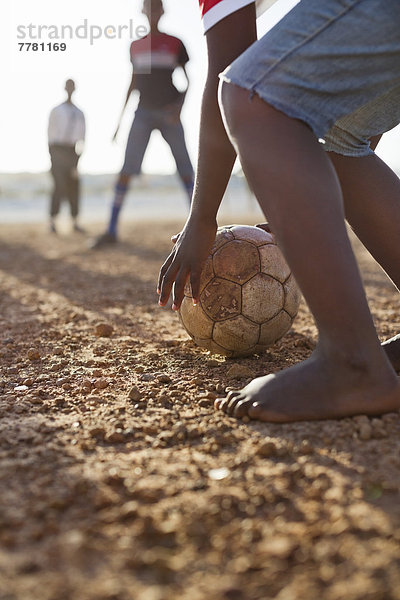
{"x":119,"y":481}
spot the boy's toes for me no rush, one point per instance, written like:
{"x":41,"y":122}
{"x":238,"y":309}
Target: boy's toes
{"x":233,"y":402}
{"x":221,"y":403}
{"x":242,"y":408}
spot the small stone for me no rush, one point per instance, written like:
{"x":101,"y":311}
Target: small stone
{"x":218,"y":474}
{"x":101,"y":384}
{"x":212,"y":362}
{"x":240,"y":372}
{"x":28,"y":381}
{"x":104,"y":330}
{"x":147,"y":377}
{"x":305,"y":447}
{"x":135,"y":394}
{"x":33,"y":354}
{"x":21,"y":388}
{"x":365,"y":431}
{"x":267,"y":449}
{"x":205,"y":402}
{"x":116,"y":437}
{"x":97,"y":372}
{"x":97,"y":432}
{"x":164,"y":378}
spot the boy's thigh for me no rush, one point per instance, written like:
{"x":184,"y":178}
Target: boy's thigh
{"x":137,"y":143}
{"x":325,"y":59}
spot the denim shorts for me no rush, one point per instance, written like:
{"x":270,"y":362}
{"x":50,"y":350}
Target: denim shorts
{"x":334,"y":64}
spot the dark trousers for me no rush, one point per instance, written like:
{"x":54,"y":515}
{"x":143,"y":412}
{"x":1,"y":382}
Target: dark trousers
{"x":64,"y":161}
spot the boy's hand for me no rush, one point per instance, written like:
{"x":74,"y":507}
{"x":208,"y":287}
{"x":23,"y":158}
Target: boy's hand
{"x":173,"y":111}
{"x":186,"y":262}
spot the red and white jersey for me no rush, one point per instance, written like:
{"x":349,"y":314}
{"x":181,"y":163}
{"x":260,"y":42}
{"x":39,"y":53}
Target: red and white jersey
{"x":213,"y":11}
{"x":157,"y":51}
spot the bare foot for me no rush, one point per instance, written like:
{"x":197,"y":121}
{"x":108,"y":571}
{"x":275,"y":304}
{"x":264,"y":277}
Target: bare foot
{"x":316,"y":389}
{"x":392,"y":349}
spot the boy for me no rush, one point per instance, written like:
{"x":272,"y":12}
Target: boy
{"x":154,"y":59}
{"x":314,"y":75}
{"x":66,"y":134}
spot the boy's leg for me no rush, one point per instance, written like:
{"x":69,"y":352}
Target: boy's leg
{"x":138,"y":140}
{"x":371,"y":192}
{"x":74,"y":191}
{"x":120,"y":191}
{"x":174,"y":135}
{"x":58,"y":187}
{"x":299,"y":192}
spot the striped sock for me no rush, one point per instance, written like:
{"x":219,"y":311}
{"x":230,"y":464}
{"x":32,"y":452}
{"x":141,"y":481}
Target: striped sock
{"x":120,"y":193}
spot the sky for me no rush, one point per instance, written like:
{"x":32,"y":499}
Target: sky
{"x":33,"y":82}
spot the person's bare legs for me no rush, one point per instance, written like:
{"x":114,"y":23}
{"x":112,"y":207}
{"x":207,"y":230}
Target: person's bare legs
{"x":371,"y":193}
{"x":299,"y":192}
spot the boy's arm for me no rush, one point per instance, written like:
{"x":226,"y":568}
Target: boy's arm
{"x":174,"y":110}
{"x":225,"y":42}
{"x":128,"y":95}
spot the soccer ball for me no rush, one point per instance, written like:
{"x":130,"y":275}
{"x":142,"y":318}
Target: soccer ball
{"x":248,"y":297}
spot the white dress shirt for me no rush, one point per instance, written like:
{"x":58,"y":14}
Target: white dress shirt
{"x":66,"y":125}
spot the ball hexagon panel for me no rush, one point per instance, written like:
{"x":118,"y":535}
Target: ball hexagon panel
{"x":262,"y":298}
{"x":206,"y":276}
{"x":293,"y":296}
{"x":255,"y":235}
{"x":194,"y":320}
{"x":237,"y":335}
{"x":223,"y":236}
{"x":237,"y":261}
{"x":221,"y":299}
{"x":274,"y":329}
{"x":273,"y":263}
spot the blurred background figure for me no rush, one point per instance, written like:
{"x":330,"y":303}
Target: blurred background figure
{"x":154,"y":59}
{"x":66,"y":133}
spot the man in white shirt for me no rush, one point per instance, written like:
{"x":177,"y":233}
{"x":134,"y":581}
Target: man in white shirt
{"x":66,"y":134}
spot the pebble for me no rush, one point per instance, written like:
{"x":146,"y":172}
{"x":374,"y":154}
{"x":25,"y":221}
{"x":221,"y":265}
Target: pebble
{"x":115,"y":437}
{"x":33,"y":354}
{"x":240,"y":372}
{"x":219,"y":474}
{"x":101,"y":384}
{"x":212,"y":362}
{"x":97,"y":432}
{"x":164,"y":378}
{"x":147,"y":377}
{"x":135,"y":394}
{"x":365,"y":431}
{"x":205,"y":402}
{"x":104,"y":330}
{"x":267,"y":449}
{"x":305,"y":447}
